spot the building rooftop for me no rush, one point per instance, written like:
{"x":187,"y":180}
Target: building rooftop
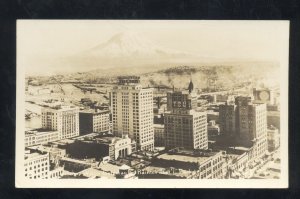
{"x":108,"y":140}
{"x":38,"y":131}
{"x":166,"y":173}
{"x":94,"y":111}
{"x":110,"y":168}
{"x":93,"y":173}
{"x":33,"y":155}
{"x":63,"y":142}
{"x":45,"y":148}
{"x":196,"y":156}
{"x":240,"y":149}
{"x":62,"y":107}
{"x":182,"y":158}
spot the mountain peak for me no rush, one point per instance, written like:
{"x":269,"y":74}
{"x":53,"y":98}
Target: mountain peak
{"x":124,"y":44}
{"x":123,"y":36}
{"x":130,"y":49}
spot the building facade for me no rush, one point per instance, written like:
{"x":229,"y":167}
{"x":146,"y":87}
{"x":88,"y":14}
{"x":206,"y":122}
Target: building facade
{"x":116,"y":147}
{"x":64,"y":119}
{"x":36,"y":165}
{"x":184,"y":126}
{"x":273,"y":138}
{"x":132,"y":112}
{"x":159,"y":135}
{"x":195,"y":164}
{"x":93,"y":121}
{"x":55,"y":153}
{"x":227,"y":119}
{"x":246,"y":123}
{"x":213,"y":129}
{"x":38,"y":137}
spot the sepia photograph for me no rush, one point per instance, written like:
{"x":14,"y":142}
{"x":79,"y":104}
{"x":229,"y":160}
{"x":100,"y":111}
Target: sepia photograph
{"x":152,"y":104}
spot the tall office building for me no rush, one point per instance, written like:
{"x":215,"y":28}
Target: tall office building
{"x":184,"y":126}
{"x":93,"y":121}
{"x":227,"y":119}
{"x":246,"y":122}
{"x":132,"y":112}
{"x":64,"y":119}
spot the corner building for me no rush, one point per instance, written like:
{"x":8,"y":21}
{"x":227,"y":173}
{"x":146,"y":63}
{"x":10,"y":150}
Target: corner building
{"x":132,"y":112}
{"x":184,"y":126}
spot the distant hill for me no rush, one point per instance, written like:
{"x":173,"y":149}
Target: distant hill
{"x":128,"y":53}
{"x":226,"y":76}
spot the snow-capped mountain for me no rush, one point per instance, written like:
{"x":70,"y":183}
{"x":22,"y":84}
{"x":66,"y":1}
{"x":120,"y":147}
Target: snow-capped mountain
{"x":128,"y":44}
{"x":128,"y":49}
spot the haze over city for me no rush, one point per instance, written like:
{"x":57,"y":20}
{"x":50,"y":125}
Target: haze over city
{"x":81,"y":46}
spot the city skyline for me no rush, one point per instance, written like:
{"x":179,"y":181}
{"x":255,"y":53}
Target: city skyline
{"x":144,"y":103}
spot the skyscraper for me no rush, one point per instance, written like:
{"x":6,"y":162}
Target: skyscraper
{"x":132,"y":111}
{"x":184,"y":126}
{"x":246,"y":122}
{"x":64,"y":119}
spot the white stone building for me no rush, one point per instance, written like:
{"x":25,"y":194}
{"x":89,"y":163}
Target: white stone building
{"x":132,"y":112}
{"x":64,"y":119}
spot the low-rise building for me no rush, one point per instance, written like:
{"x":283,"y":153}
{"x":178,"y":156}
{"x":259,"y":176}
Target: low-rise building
{"x":237,"y":159}
{"x":213,"y":129}
{"x":117,"y":147}
{"x":159,"y":135}
{"x":56,"y":172}
{"x":54,"y":152}
{"x":199,"y":164}
{"x":99,"y":147}
{"x":40,"y":136}
{"x":36,"y":165}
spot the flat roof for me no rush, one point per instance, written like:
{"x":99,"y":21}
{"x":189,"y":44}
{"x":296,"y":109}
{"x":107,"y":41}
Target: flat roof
{"x":93,"y":111}
{"x":39,"y":131}
{"x":114,"y":169}
{"x":45,"y":148}
{"x":182,"y":158}
{"x":188,"y":156}
{"x":92,"y":172}
{"x":241,"y":148}
{"x":65,"y":141}
{"x":108,"y":139}
{"x":62,"y":107}
{"x":33,"y":155}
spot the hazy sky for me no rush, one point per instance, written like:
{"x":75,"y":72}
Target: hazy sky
{"x":38,"y":41}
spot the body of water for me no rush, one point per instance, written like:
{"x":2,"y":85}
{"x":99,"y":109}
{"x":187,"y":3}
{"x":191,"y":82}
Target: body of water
{"x":35,"y":121}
